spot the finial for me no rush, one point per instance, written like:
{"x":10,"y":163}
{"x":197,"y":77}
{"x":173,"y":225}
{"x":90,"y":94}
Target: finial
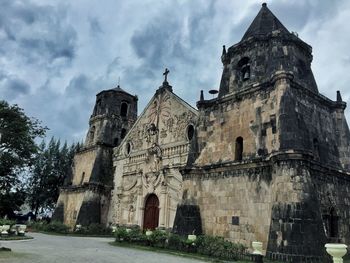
{"x":201,"y":98}
{"x":223,"y":50}
{"x":264,"y":4}
{"x":118,"y":81}
{"x":166,"y":72}
{"x":339,"y":98}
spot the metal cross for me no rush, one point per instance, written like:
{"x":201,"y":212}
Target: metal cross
{"x":166,"y":72}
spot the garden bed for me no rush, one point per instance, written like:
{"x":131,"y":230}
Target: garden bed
{"x":207,"y":246}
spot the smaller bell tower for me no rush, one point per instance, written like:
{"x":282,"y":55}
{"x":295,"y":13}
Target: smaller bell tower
{"x":114,"y":113}
{"x":85,"y":197}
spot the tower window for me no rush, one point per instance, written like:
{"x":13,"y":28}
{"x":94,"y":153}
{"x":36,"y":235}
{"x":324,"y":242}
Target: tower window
{"x":243,"y":67}
{"x":92,"y":133}
{"x":123,"y":133}
{"x":330,"y":221}
{"x":82,"y":178}
{"x":128,"y":148}
{"x":124,"y":109}
{"x":239,"y":149}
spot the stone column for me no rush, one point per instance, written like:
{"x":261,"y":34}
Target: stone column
{"x":139,"y":207}
{"x":163,"y":206}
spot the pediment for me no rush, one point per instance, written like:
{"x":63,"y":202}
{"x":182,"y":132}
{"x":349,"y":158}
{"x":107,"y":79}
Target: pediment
{"x":165,"y":120}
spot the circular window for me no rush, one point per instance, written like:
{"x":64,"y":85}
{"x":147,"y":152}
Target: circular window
{"x":190,"y":132}
{"x":128,"y":148}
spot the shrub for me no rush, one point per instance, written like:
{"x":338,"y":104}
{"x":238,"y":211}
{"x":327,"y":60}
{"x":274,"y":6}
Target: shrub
{"x":56,"y":227}
{"x":158,"y":238}
{"x":98,"y":229}
{"x":176,"y":242}
{"x":121,"y":234}
{"x":7,"y":222}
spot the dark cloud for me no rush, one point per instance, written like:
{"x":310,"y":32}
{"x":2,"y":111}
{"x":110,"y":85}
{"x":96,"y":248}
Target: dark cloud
{"x":163,"y":39}
{"x":11,"y":86}
{"x":69,"y":52}
{"x":39,"y":34}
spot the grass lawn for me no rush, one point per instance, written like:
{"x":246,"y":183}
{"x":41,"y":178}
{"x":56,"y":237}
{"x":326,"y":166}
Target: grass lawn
{"x":10,"y":255}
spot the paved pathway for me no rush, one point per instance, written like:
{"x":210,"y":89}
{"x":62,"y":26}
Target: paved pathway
{"x":64,"y":249}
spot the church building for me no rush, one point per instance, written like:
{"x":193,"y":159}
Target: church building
{"x":266,"y":160}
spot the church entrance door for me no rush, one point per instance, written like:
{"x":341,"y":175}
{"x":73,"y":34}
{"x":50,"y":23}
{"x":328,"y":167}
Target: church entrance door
{"x":151,"y":215}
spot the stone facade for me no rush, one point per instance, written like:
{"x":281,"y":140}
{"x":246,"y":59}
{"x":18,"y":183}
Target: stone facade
{"x":149,"y":159}
{"x":267,"y":160}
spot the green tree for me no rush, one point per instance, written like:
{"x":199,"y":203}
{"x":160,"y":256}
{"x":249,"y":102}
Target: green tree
{"x":50,"y":169}
{"x":17,"y":150}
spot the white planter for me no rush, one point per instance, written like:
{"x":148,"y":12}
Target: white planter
{"x":192,"y":237}
{"x":257,"y":246}
{"x":337,"y":251}
{"x":148,"y":232}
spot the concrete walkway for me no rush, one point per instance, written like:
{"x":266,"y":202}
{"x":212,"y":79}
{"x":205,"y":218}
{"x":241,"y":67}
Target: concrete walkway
{"x":65,"y":249}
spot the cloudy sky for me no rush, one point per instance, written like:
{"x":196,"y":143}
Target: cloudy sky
{"x":56,"y":55}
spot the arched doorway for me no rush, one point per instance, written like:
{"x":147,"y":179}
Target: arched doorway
{"x":151,"y":215}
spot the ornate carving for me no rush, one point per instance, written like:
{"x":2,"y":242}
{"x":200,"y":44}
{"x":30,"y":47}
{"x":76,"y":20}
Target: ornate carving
{"x":181,"y":122}
{"x":129,"y":182}
{"x":152,"y":179}
{"x":131,"y":214}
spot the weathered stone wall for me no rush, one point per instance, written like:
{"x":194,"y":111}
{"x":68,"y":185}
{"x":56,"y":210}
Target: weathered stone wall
{"x":70,"y":202}
{"x":252,"y":115}
{"x":83,"y":163}
{"x":234,"y":202}
{"x":278,"y":202}
{"x":296,"y":229}
{"x":313,"y":123}
{"x":333,"y":192}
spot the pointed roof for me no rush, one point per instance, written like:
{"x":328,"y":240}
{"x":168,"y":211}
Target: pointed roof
{"x":264,"y":23}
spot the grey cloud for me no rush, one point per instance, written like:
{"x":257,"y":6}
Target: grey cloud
{"x":95,"y":26}
{"x":162,"y":40}
{"x":39,"y":33}
{"x":12,"y":86}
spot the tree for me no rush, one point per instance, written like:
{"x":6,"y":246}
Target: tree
{"x":51,"y":167}
{"x":17,"y":150}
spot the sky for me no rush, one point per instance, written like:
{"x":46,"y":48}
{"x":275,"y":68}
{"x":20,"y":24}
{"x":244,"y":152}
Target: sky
{"x":55,"y":56}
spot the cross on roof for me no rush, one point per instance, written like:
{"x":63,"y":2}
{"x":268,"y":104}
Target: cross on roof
{"x":166,"y":72}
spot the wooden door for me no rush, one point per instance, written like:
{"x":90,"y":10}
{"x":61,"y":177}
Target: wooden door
{"x":151,"y":215}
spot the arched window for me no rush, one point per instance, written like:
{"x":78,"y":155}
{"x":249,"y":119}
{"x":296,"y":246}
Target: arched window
{"x":333,"y":223}
{"x":330,"y":221}
{"x":190,"y":132}
{"x":123,"y":133}
{"x":92,"y":133}
{"x":124,"y":109}
{"x":239,"y":149}
{"x":243,"y":67}
{"x":128,"y":148}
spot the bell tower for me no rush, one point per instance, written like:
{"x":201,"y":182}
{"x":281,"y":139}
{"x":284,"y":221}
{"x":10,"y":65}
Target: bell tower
{"x":266,"y":48}
{"x":85,"y":197}
{"x":114,"y":113}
